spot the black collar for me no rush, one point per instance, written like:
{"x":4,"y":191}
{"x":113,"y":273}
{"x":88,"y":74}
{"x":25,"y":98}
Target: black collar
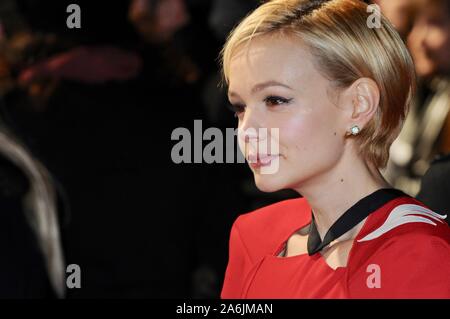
{"x":352,"y":217}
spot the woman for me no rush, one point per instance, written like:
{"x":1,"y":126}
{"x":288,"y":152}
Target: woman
{"x":338,"y":92}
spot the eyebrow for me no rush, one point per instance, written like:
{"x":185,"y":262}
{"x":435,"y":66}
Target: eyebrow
{"x":261,"y":86}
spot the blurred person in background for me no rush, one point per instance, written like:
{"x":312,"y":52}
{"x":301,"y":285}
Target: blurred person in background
{"x":434,"y":59}
{"x":426,"y":133}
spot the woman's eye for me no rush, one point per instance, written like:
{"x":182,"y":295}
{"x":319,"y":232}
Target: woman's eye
{"x":236,"y":108}
{"x":276,"y":100}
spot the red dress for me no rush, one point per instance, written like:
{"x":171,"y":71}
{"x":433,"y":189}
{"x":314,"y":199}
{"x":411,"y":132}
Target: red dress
{"x":402,"y":251}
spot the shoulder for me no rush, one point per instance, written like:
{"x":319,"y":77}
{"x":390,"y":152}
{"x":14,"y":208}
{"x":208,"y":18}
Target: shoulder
{"x":258,"y":233}
{"x":262,"y":219}
{"x":262,"y":230}
{"x":406,"y":218}
{"x":408,"y":235}
{"x":409,"y":244}
{"x":405,"y":233}
{"x":419,"y":243}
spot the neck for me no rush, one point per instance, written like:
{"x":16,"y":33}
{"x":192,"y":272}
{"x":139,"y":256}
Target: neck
{"x":332,"y":193}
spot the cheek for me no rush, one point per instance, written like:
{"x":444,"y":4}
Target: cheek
{"x":310,"y":128}
{"x":296,"y":135}
{"x":310,"y":134}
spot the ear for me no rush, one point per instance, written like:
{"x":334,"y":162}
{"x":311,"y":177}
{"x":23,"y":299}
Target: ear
{"x":361,"y":101}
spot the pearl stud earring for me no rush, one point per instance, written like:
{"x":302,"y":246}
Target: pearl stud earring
{"x":355,"y":130}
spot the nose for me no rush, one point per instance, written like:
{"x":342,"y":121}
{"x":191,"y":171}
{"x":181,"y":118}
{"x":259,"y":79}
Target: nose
{"x":253,"y":133}
{"x":250,"y":126}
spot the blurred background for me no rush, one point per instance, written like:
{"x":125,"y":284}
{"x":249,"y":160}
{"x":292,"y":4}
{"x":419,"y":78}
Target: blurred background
{"x":86,"y":117}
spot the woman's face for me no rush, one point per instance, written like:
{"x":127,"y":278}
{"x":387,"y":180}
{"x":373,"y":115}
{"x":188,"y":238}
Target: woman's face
{"x":275,"y":85}
{"x":429,"y":41}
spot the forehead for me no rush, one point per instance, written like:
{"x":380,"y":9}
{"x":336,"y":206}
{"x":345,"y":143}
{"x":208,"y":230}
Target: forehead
{"x":270,"y":58}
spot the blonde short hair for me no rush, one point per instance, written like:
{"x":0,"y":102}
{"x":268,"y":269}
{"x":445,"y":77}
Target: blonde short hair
{"x":345,"y":48}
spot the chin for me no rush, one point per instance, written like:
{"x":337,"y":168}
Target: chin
{"x":269,"y":183}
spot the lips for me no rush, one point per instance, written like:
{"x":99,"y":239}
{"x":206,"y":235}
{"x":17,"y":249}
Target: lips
{"x":257,"y":160}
